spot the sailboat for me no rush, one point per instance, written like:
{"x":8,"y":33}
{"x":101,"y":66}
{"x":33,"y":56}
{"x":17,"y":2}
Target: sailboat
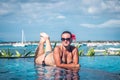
{"x":21,"y":44}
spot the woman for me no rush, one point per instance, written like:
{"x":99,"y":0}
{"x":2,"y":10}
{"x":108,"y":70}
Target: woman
{"x":64,"y":55}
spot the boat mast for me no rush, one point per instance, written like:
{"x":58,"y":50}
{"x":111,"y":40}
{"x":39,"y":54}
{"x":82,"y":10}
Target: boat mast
{"x":22,"y":36}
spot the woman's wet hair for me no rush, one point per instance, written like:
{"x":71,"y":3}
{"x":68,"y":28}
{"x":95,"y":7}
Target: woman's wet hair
{"x":68,"y":33}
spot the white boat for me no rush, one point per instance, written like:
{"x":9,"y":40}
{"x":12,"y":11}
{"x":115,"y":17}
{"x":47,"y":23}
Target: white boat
{"x":98,"y":50}
{"x":21,"y":44}
{"x":113,"y":50}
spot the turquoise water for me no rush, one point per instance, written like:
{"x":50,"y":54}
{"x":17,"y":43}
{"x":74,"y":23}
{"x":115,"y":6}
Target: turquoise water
{"x":104,"y":63}
{"x":22,"y":50}
{"x":24,"y":69}
{"x":92,"y":68}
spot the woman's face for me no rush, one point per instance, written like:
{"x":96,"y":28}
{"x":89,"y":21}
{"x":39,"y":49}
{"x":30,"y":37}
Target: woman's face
{"x":66,"y":39}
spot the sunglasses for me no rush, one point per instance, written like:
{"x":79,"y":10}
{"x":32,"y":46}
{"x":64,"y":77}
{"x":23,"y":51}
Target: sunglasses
{"x":63,"y":39}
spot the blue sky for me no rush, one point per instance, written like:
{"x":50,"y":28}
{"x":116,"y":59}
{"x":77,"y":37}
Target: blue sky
{"x":87,"y":19}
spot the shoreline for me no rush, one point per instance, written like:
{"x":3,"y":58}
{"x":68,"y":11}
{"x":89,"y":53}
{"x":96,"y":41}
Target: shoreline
{"x":89,"y":43}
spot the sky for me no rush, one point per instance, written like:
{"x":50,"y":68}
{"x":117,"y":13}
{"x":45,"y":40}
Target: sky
{"x":87,"y":19}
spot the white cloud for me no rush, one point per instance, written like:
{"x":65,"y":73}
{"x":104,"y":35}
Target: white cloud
{"x":51,"y":9}
{"x":29,"y":7}
{"x":110,"y":23}
{"x":92,"y":10}
{"x":41,"y":11}
{"x":61,"y":17}
{"x":5,"y":8}
{"x":100,"y":6}
{"x":82,"y":6}
{"x":2,"y":12}
{"x":113,"y":6}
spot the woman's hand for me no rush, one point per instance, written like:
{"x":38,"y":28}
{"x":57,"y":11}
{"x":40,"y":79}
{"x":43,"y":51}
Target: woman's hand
{"x":76,"y":68}
{"x":77,"y":65}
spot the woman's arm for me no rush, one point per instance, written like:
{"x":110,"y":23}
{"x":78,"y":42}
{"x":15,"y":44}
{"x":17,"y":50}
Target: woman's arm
{"x":58,"y":60}
{"x":75,"y":56}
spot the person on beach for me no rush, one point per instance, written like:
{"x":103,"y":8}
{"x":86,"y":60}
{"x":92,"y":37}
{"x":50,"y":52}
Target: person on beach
{"x":64,"y":55}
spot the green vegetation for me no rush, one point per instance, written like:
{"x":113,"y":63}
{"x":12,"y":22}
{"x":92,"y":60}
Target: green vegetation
{"x":18,"y":54}
{"x":4,"y":53}
{"x":81,"y":52}
{"x":105,"y":52}
{"x":91,"y":52}
{"x":28,"y":54}
{"x":54,"y":45}
{"x":118,"y":53}
{"x":8,"y":54}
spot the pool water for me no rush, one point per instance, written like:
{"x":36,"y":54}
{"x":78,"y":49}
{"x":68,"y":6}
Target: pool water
{"x":54,"y":73}
{"x":92,"y":68}
{"x":105,"y":63}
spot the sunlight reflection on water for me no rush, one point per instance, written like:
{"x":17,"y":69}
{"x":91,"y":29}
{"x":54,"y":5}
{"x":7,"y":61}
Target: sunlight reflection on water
{"x":55,"y":73}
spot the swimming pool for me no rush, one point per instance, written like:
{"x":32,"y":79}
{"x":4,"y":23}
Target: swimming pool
{"x":105,"y":63}
{"x":92,"y":68}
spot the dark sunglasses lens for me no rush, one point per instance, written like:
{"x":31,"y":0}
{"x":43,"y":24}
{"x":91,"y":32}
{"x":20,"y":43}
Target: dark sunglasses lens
{"x":68,"y":39}
{"x":63,"y":39}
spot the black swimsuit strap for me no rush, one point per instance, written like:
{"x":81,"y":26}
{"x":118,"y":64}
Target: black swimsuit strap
{"x":43,"y":62}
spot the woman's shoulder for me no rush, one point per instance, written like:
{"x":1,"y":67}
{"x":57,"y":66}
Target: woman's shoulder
{"x":57,"y":48}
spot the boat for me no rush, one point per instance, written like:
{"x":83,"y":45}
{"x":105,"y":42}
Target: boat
{"x":19,"y":45}
{"x":113,"y":50}
{"x":22,"y":43}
